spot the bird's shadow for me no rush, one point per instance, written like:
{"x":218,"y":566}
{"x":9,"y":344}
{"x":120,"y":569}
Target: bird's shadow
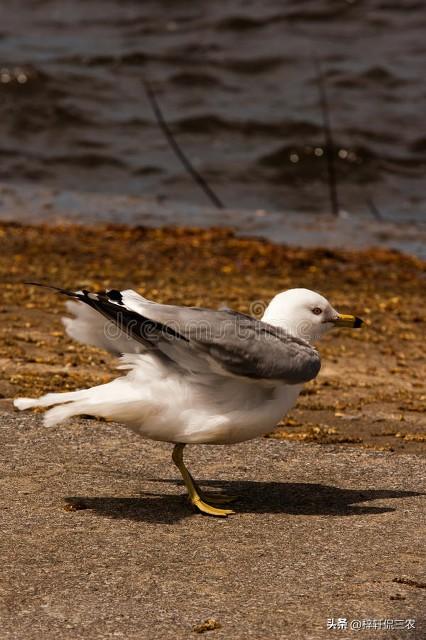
{"x":255,"y":497}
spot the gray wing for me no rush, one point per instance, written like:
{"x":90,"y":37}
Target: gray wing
{"x":251,"y":348}
{"x":190,"y":337}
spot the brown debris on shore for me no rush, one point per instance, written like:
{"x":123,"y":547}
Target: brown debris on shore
{"x":371,"y":390}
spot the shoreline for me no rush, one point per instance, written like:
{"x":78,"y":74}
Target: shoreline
{"x":27,"y":204}
{"x":369,"y":391}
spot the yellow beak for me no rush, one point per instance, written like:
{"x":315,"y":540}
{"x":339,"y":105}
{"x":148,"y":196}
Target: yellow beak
{"x":343,"y":320}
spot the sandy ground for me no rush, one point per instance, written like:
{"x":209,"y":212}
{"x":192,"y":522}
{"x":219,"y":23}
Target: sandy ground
{"x":371,"y":389}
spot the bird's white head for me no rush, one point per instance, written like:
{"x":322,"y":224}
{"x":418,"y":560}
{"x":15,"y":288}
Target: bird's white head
{"x":306,"y":314}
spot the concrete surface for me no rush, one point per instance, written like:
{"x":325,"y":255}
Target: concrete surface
{"x":98,"y":541}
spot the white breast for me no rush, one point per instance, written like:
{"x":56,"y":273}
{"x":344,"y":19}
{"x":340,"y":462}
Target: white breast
{"x":222,"y":412}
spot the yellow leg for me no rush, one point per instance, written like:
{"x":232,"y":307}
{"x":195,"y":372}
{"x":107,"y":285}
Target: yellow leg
{"x":193,"y":492}
{"x":215,"y":498}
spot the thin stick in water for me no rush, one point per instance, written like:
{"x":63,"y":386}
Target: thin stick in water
{"x":197,"y":177}
{"x":373,"y":209}
{"x":329,"y":142}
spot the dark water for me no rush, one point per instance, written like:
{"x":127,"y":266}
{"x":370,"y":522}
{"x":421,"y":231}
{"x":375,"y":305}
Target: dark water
{"x":238,"y":85}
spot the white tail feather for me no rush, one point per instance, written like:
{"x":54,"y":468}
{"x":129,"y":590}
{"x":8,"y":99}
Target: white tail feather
{"x":62,"y":412}
{"x":25,"y":403}
{"x":108,"y":400}
{"x":49,"y":399}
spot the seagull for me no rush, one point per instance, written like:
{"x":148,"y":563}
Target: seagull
{"x":194,"y":375}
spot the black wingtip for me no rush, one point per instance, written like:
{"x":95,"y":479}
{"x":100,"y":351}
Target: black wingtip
{"x":40,"y":284}
{"x":66,"y":292}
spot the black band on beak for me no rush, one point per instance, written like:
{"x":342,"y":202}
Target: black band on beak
{"x":343,"y":320}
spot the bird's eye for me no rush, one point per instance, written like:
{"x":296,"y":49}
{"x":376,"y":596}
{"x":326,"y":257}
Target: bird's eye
{"x":317,"y":311}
